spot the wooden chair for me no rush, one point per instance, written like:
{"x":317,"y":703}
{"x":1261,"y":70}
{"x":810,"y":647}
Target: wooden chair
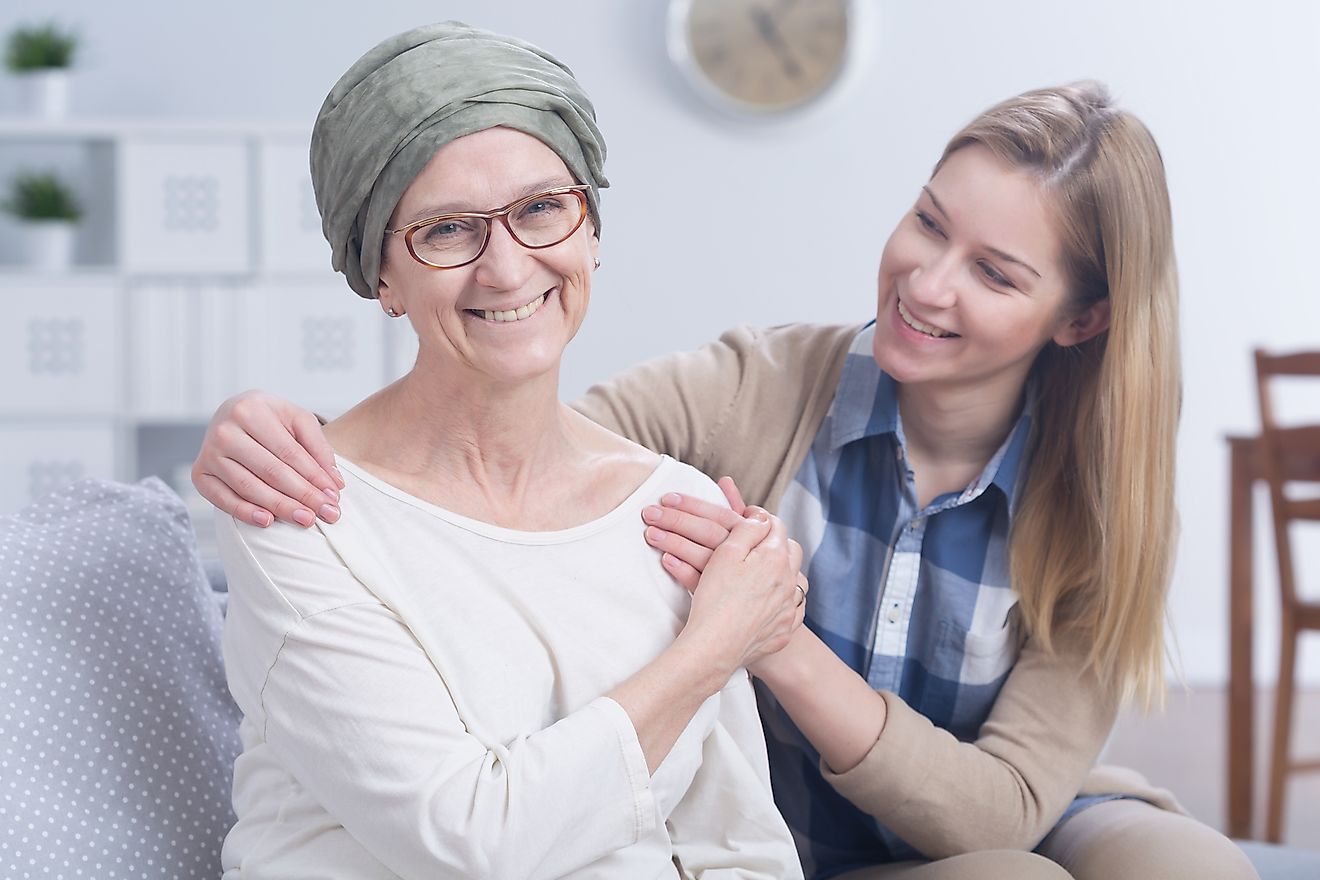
{"x":1282,"y":450}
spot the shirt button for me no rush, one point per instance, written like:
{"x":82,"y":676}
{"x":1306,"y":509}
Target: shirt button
{"x":893,"y":613}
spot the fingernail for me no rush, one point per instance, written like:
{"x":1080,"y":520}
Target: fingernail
{"x":328,"y":512}
{"x":651,"y":514}
{"x":668,"y":561}
{"x":338,"y":476}
{"x":303,"y":517}
{"x":671,"y":499}
{"x":333,"y":495}
{"x":262,"y":518}
{"x":654,"y":534}
{"x":760,"y":516}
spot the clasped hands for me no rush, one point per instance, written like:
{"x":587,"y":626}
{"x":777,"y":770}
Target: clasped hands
{"x":738,"y":562}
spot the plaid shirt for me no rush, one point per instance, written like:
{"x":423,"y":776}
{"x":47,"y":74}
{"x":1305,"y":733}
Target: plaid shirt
{"x":916,"y":600}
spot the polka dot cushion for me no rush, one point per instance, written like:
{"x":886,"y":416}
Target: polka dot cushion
{"x":117,"y":732}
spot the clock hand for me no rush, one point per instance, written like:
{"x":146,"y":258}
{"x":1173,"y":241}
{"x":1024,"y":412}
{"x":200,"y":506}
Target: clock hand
{"x":769,"y":31}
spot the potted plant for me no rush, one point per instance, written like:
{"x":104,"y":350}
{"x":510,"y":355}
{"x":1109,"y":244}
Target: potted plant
{"x":41,"y":56}
{"x":47,"y":211}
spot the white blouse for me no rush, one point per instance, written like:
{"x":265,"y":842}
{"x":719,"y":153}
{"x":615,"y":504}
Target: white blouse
{"x":422,"y":697}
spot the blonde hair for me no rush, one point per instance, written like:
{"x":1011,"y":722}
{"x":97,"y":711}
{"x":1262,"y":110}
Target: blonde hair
{"x":1093,"y":537}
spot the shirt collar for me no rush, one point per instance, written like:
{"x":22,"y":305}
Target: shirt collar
{"x":866,"y":401}
{"x":1005,"y":468}
{"x":866,"y":405}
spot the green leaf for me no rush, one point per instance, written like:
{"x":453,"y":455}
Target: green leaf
{"x":41,"y":196}
{"x":40,"y":47}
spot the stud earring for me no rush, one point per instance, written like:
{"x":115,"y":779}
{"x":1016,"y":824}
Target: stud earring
{"x":390,"y":311}
{"x":598,"y":262}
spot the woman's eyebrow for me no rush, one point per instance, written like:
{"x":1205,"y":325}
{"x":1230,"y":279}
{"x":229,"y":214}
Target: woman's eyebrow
{"x":530,"y":189}
{"x":1006,"y":257}
{"x":935,"y":201}
{"x":1009,"y":258}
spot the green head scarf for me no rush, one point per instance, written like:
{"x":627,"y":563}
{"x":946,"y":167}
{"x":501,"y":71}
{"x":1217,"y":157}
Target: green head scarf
{"x":416,"y":92}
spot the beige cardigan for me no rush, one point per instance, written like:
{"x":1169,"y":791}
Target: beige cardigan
{"x":749,"y":406}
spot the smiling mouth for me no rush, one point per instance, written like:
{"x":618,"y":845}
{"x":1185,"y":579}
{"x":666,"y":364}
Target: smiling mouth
{"x":511,"y":315}
{"x":927,"y":329}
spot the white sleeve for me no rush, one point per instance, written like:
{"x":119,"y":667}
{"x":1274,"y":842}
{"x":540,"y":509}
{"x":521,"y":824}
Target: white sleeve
{"x":727,"y":827}
{"x":361,"y":718}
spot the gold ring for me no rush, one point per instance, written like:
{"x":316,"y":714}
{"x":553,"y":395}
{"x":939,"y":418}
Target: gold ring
{"x":802,"y":595}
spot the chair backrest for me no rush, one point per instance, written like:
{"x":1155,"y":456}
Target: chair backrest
{"x":1286,"y":453}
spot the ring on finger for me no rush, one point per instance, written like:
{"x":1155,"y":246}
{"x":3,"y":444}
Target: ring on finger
{"x":802,"y":595}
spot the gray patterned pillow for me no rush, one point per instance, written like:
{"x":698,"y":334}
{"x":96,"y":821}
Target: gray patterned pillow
{"x":117,"y":731}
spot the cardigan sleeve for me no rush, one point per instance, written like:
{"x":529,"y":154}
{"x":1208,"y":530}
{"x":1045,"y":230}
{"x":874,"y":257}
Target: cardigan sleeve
{"x":1006,"y":789}
{"x":746,"y":406}
{"x":676,"y":403}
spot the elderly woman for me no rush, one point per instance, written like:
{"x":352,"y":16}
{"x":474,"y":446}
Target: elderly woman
{"x":478,"y":671}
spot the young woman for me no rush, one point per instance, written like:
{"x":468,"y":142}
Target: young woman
{"x":982,"y":479}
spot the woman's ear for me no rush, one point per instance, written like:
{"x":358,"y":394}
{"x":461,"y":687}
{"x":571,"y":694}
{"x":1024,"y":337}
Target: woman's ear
{"x":595,"y":240}
{"x":1088,"y":324}
{"x":383,"y":272}
{"x":385,"y":296}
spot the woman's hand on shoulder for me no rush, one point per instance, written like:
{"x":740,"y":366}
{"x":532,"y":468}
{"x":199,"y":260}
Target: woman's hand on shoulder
{"x":746,"y":566}
{"x":748,"y":600}
{"x":686,"y":530}
{"x":263,"y":458}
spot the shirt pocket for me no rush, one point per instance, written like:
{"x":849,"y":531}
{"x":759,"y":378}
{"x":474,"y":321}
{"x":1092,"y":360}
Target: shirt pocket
{"x":982,"y":656}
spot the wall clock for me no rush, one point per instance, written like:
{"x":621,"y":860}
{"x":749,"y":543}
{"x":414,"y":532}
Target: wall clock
{"x":763,"y":57}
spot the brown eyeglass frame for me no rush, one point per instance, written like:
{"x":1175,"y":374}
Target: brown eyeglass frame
{"x":501,"y":214}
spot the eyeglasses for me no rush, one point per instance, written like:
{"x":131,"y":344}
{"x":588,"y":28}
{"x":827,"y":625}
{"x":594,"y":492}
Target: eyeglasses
{"x":540,"y":221}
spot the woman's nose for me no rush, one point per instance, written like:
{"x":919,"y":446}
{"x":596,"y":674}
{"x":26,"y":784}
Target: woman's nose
{"x":932,"y":283}
{"x":505,"y":264}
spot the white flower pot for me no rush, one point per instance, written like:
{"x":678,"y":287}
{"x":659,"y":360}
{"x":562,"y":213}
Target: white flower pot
{"x":45,"y":92}
{"x":48,"y":244}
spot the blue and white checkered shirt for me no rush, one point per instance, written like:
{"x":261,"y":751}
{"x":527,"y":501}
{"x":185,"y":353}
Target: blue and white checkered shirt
{"x":915,"y":600}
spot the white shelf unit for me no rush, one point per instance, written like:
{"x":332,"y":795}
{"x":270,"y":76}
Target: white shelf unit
{"x":200,"y":270}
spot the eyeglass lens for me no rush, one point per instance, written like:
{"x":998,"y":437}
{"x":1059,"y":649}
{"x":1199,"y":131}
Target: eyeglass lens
{"x":539,"y":221}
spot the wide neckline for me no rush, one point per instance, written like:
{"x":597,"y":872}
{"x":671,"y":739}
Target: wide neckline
{"x":634,"y":501}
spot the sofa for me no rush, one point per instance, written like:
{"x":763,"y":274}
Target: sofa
{"x":117,"y":732}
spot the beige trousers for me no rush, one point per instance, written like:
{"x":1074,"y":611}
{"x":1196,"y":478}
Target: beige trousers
{"x":1114,"y":840}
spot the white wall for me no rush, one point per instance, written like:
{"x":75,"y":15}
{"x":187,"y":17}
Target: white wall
{"x":1229,"y":90}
